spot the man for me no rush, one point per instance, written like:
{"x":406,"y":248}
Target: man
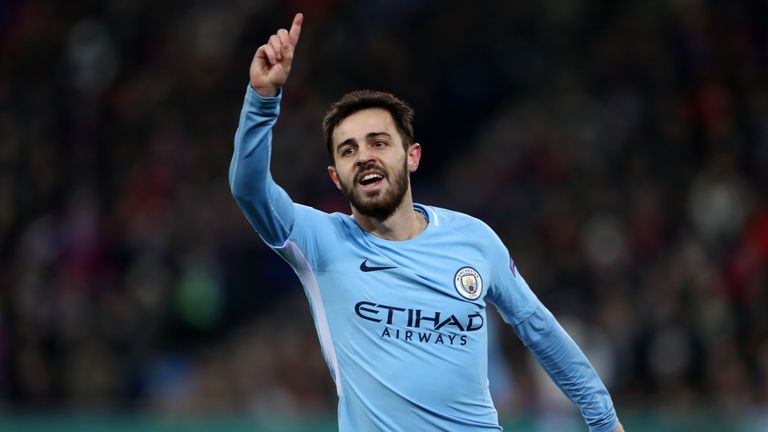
{"x":398,"y":290}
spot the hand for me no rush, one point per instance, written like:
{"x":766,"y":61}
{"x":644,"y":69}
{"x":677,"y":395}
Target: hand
{"x":619,"y":428}
{"x":272,"y":62}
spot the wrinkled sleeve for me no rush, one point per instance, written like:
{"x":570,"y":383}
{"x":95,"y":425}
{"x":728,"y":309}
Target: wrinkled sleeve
{"x":266,"y":205}
{"x":557,"y":353}
{"x":569,"y":368}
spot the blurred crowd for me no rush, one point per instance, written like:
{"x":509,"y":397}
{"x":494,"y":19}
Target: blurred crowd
{"x":620,"y":150}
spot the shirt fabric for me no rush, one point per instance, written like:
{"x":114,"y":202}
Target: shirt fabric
{"x":402,"y":324}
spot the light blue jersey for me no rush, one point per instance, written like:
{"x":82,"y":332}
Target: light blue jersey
{"x":402,"y":324}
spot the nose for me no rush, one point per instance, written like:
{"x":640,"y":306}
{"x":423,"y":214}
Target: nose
{"x":364,"y":155}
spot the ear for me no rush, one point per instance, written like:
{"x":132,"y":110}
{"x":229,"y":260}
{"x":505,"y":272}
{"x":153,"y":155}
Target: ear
{"x":334,"y":176}
{"x":414,"y":156}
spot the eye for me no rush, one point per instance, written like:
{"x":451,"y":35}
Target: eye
{"x":379,"y":143}
{"x":347,"y":151}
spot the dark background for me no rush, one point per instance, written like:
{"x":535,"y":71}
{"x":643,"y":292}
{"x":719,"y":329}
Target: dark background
{"x":619,"y":148}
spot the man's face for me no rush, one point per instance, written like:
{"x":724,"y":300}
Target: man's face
{"x":371,"y":165}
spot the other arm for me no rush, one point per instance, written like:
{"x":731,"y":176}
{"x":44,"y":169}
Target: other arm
{"x":569,"y":368}
{"x":557,"y":353}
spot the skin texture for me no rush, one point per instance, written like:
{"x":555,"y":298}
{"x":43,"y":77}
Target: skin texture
{"x":366,"y":141}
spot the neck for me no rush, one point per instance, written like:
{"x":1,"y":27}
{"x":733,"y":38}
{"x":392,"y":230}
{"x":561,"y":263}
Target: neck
{"x":405,"y":223}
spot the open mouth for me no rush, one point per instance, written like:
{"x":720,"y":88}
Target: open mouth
{"x":370,"y":180}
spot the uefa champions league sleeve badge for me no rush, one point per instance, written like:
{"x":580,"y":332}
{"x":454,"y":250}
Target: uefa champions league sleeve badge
{"x":468,"y":283}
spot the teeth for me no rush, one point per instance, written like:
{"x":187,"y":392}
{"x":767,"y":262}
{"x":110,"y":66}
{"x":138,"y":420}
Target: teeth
{"x":371,"y":177}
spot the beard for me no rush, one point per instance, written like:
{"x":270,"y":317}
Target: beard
{"x":384,"y":203}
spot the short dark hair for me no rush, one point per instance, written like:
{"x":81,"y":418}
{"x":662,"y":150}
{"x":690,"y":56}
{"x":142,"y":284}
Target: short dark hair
{"x":359,"y":100}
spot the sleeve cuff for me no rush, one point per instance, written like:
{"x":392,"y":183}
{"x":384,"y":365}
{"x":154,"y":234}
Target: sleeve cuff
{"x":262,"y":105}
{"x":608,"y":428}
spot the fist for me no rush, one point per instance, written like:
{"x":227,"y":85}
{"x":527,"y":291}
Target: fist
{"x":272,"y":62}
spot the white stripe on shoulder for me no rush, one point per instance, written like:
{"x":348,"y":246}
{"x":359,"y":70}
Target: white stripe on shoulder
{"x":435,"y":219}
{"x":312,"y":289}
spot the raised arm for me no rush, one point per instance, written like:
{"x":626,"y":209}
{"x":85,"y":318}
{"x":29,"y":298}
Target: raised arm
{"x":267,"y":206}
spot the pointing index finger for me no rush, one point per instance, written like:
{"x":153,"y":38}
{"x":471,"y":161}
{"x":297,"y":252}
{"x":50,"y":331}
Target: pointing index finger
{"x":295,"y":31}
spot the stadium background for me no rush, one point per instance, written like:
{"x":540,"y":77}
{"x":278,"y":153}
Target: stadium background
{"x":620,"y":149}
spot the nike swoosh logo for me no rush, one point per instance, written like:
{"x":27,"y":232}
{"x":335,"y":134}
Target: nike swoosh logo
{"x":366,"y":268}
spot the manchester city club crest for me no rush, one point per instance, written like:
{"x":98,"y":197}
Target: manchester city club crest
{"x":468,"y":283}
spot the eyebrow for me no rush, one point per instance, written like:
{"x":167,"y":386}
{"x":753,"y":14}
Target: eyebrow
{"x":369,"y":135}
